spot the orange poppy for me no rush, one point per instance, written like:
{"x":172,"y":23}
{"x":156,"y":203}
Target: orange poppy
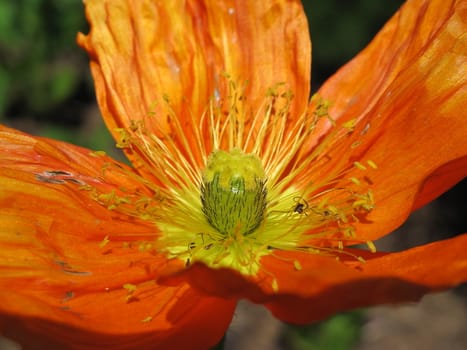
{"x":240,"y":185}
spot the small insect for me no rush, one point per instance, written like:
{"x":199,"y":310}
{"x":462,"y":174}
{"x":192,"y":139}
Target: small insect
{"x":301,"y":206}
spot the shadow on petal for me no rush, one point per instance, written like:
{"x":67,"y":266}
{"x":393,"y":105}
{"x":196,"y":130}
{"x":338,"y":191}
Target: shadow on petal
{"x":339,"y":298}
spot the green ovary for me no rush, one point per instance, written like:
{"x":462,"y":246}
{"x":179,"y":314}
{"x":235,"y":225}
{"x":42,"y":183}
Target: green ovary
{"x":233,"y":193}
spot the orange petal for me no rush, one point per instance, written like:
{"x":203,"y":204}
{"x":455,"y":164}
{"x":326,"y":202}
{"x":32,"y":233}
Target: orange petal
{"x":360,"y":84}
{"x":181,"y":318}
{"x":385,"y":278}
{"x":59,"y":283}
{"x":322,"y":285}
{"x":143,"y":52}
{"x":408,"y":92}
{"x":440,"y":181}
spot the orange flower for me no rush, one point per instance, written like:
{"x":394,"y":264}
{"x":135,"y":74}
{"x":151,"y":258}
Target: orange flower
{"x":240,"y":187}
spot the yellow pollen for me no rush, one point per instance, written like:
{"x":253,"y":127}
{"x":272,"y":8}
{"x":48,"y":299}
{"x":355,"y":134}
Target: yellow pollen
{"x":350,"y":124}
{"x":240,"y":182}
{"x":131,"y":288}
{"x":297,"y":265}
{"x":97,"y":154}
{"x":104,"y":242}
{"x":359,"y":165}
{"x":355,"y":180}
{"x":274,"y":286}
{"x":371,"y":246}
{"x":372,"y":164}
{"x":124,"y":138}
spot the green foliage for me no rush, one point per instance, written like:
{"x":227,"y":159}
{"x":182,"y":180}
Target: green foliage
{"x":95,"y":138}
{"x":340,"y":332}
{"x":40,"y":65}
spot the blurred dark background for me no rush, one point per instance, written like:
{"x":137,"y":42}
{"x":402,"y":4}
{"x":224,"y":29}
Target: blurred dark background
{"x":46,"y":89}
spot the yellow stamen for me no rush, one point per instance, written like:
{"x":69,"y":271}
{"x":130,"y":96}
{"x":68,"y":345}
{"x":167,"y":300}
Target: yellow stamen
{"x":371,"y":246}
{"x":297,"y":265}
{"x":274,"y":286}
{"x":350,"y":124}
{"x":239,"y":182}
{"x":97,"y":154}
{"x":372,"y":164}
{"x":104,"y":242}
{"x":359,"y":165}
{"x":131,"y":288}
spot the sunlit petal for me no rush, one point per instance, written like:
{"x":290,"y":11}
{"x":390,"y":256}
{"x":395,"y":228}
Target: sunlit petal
{"x":66,"y":271}
{"x":409,"y":109}
{"x":143,"y":71}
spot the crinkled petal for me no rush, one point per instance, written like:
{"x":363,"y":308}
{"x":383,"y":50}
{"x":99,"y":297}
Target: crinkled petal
{"x":145,"y":53}
{"x":361,"y":83}
{"x":313,"y":287}
{"x":64,"y":263}
{"x":385,"y":278}
{"x":181,"y":318}
{"x":408,"y":91}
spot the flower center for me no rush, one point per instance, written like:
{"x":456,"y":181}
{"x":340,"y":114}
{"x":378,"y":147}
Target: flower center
{"x":233,"y":192}
{"x":307,"y":198}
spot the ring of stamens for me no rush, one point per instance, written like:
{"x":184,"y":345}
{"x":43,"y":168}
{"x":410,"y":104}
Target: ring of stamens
{"x":283,"y":212}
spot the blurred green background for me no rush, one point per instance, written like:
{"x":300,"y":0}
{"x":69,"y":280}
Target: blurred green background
{"x":45,"y":83}
{"x":46,"y":89}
